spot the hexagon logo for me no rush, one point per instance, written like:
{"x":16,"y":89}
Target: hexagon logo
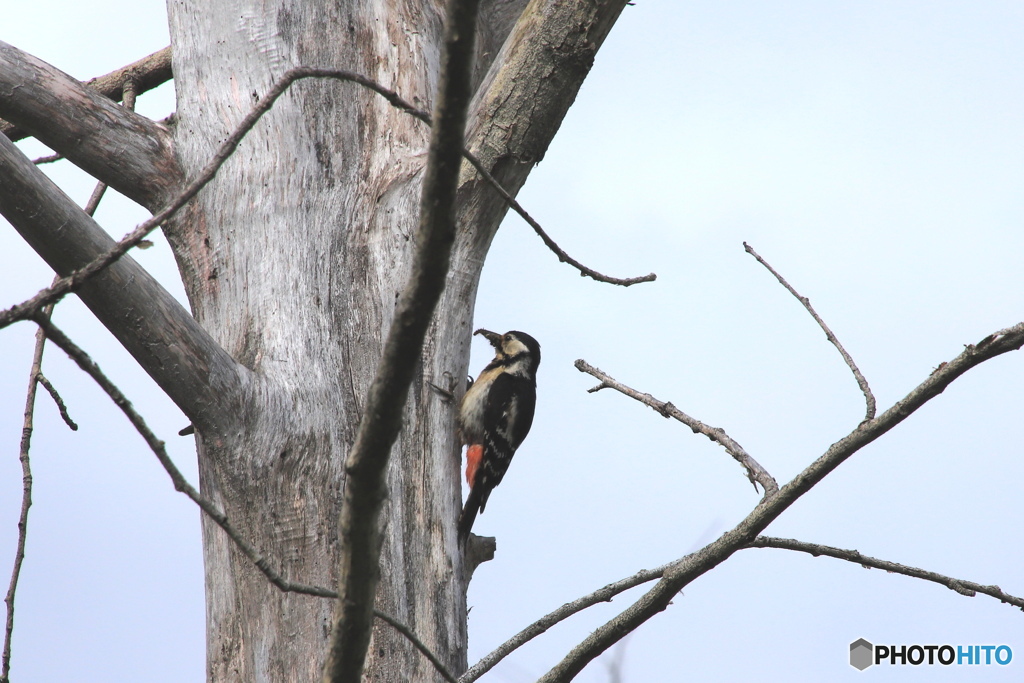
{"x":861,"y":654}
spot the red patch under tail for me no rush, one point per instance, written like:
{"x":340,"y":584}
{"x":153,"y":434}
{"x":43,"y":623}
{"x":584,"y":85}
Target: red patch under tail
{"x":474,"y":456}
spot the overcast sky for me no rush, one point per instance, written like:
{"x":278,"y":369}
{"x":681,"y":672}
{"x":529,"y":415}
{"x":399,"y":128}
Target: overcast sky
{"x":871,"y":151}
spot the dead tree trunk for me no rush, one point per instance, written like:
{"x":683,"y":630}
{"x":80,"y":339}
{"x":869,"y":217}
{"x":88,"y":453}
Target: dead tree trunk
{"x":293,"y":258}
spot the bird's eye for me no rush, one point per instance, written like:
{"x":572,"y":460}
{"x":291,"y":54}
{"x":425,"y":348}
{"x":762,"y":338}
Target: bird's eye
{"x":508,"y":337}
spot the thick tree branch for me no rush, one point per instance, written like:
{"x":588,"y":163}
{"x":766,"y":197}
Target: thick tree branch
{"x":755,"y":473}
{"x":198,"y":375}
{"x":147,"y":73}
{"x":127,"y":151}
{"x":561,"y":614}
{"x":366,"y":468}
{"x":688,"y":568}
{"x":862,"y":382}
{"x":968,"y":588}
{"x":73,"y":281}
{"x":494,"y":23}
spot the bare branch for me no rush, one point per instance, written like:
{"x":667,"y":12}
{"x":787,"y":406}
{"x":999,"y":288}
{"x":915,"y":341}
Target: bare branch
{"x":561,"y":614}
{"x":181,"y":484}
{"x":869,"y":398}
{"x":41,"y":378}
{"x":755,"y":473}
{"x":696,"y":564}
{"x":144,"y":75}
{"x":151,"y":71}
{"x":130,"y":152}
{"x":147,"y":73}
{"x":359,"y":534}
{"x":968,"y":588}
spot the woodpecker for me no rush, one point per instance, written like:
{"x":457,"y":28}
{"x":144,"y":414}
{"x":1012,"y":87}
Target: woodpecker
{"x":495,"y":416}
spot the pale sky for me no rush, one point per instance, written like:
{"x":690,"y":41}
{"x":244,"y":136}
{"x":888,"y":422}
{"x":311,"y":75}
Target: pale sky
{"x":871,"y":153}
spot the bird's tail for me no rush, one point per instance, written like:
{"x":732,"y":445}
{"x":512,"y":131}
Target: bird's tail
{"x":469,"y":512}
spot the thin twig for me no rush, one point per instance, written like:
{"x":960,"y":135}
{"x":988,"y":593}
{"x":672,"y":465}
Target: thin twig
{"x":561,"y":614}
{"x":54,"y":334}
{"x":968,"y":588}
{"x":41,"y":378}
{"x":26,"y":496}
{"x":862,"y":382}
{"x":755,"y":473}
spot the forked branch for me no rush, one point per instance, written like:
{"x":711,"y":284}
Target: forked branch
{"x":688,"y":568}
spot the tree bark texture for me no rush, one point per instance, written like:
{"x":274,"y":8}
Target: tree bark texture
{"x":293,"y":259}
{"x":297,"y":253}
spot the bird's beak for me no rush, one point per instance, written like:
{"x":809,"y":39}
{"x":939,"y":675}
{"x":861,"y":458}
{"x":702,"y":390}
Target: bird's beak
{"x":492,"y":337}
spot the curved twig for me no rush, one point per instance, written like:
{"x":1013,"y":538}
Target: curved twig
{"x":967,"y":588}
{"x":755,"y":473}
{"x":559,"y":252}
{"x":862,"y":382}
